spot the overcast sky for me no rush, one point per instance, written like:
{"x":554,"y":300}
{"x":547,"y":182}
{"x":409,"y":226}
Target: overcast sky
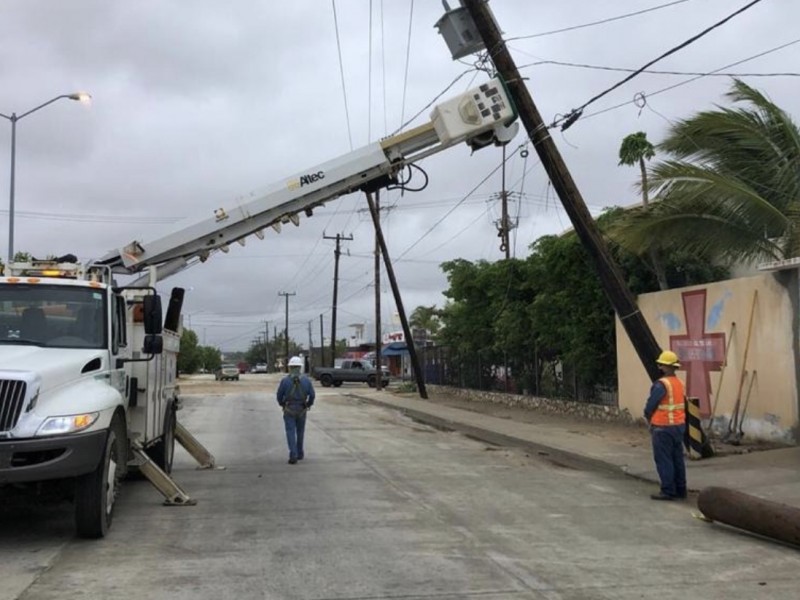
{"x":199,"y":104}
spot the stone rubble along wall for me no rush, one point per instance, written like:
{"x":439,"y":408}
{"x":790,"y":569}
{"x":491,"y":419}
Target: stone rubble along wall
{"x":583,"y":410}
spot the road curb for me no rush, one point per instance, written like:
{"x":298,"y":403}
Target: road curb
{"x":558,"y":456}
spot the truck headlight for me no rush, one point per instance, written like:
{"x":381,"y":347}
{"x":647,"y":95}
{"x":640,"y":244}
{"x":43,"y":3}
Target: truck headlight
{"x":67,"y":424}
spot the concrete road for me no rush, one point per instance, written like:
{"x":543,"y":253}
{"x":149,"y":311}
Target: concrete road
{"x":382,"y":508}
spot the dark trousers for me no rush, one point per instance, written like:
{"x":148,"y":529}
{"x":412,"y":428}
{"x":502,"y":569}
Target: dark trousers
{"x":668,"y":455}
{"x":295,"y":430}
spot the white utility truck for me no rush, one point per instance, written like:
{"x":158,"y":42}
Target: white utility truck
{"x":88,"y":372}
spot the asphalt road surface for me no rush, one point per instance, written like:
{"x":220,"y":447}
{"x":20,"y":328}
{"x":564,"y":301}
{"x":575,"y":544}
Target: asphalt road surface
{"x":381,"y":508}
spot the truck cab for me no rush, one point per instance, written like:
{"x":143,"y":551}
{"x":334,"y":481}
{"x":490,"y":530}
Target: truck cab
{"x":80,"y":379}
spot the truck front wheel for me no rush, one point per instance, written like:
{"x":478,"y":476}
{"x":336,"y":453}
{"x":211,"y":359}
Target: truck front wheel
{"x":96,"y":492}
{"x":337,"y":384}
{"x":326,"y":380}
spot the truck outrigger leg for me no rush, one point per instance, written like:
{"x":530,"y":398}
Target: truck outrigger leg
{"x":199,"y":452}
{"x":172,"y":492}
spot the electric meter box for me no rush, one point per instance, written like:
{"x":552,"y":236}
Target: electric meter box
{"x":459,"y":32}
{"x":480,"y":109}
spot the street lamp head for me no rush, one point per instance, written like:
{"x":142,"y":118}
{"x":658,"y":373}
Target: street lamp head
{"x":84,"y":97}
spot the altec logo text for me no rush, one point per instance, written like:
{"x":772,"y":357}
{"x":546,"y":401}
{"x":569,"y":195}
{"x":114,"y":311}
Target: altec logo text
{"x":306,"y":180}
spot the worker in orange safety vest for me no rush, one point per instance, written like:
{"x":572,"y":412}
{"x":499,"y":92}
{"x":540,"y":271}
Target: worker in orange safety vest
{"x":665,"y":412}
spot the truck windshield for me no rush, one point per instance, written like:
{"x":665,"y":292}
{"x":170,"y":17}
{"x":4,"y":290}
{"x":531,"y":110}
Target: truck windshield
{"x":53,"y":316}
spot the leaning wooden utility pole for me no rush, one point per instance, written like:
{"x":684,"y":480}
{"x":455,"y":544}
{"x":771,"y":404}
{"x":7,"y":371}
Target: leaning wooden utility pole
{"x":610,"y":275}
{"x":398,"y":301}
{"x":378,"y":333}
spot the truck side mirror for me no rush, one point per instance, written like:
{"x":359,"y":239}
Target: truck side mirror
{"x":153,"y":344}
{"x":152,"y":314}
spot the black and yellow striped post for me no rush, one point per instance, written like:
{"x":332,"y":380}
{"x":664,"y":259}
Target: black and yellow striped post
{"x":696,"y":441}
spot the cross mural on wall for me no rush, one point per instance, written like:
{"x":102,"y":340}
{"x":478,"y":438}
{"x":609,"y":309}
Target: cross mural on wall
{"x":699,"y":352}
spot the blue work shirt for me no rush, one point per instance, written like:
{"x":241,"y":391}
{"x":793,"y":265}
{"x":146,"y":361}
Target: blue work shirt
{"x":296,"y":393}
{"x":657,"y":393}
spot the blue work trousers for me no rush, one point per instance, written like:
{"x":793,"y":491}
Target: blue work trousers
{"x":295,"y":429}
{"x":668,"y":455}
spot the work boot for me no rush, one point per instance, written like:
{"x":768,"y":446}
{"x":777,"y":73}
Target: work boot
{"x":661,"y":496}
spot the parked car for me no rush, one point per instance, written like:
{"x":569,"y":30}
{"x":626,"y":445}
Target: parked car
{"x":259,"y":368}
{"x":351,"y":370}
{"x":227,"y":371}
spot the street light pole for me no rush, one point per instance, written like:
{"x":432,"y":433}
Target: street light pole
{"x":14,"y":117}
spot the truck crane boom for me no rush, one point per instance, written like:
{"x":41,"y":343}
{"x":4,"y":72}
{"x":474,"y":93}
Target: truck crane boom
{"x":479,"y":117}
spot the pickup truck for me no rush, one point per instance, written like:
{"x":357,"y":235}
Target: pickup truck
{"x":351,"y":370}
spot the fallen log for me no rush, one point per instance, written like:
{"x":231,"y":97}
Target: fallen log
{"x":743,"y":511}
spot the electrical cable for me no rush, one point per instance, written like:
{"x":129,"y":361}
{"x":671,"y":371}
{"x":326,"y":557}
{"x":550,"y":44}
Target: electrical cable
{"x":383,"y":73}
{"x":93,"y":218}
{"x":575,"y":114}
{"x":341,"y":71}
{"x":601,"y":22}
{"x":427,"y":106}
{"x":369,"y":76}
{"x":403,"y":184}
{"x":681,"y":83}
{"x":436,"y":224}
{"x":560,"y":63}
{"x":408,"y":61}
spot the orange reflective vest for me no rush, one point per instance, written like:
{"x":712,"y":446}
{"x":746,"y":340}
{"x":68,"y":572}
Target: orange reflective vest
{"x":671,"y":410}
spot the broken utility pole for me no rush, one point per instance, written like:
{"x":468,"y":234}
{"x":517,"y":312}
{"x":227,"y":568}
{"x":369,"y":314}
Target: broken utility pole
{"x":609,"y":273}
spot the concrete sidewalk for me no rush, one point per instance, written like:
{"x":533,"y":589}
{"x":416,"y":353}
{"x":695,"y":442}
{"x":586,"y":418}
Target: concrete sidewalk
{"x":770,"y":474}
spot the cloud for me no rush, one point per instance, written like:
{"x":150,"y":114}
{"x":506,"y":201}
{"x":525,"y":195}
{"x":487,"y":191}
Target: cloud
{"x":197,"y":105}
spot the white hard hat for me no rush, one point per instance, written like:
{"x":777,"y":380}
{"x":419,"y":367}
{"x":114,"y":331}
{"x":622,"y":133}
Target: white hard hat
{"x":295,"y":361}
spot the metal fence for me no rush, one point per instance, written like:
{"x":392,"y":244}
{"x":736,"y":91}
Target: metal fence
{"x":489,"y":371}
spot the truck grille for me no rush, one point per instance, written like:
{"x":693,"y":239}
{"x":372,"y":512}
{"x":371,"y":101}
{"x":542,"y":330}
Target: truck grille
{"x":12,"y":397}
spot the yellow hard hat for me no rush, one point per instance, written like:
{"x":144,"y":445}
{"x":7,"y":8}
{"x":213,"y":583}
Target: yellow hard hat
{"x":669,"y":359}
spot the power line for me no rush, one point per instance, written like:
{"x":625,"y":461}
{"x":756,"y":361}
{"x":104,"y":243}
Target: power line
{"x":601,"y":22}
{"x":576,"y":113}
{"x":94,"y":218}
{"x":560,"y":63}
{"x":341,"y":71}
{"x":369,"y":76}
{"x":427,"y":106}
{"x":679,"y":84}
{"x":408,"y":60}
{"x":383,"y":73}
{"x":436,"y":224}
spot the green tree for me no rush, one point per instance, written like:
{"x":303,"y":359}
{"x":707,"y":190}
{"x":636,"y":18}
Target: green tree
{"x":189,"y":356}
{"x":209,"y":357}
{"x":635,"y":148}
{"x":731,"y":192}
{"x":547,"y":316}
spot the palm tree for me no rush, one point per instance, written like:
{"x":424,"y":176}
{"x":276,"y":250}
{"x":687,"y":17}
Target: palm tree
{"x":427,"y":318}
{"x":732,"y":190}
{"x":635,"y":149}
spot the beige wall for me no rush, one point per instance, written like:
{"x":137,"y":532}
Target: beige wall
{"x":771,"y":378}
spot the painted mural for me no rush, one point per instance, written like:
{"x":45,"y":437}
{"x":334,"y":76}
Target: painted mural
{"x":736,"y":345}
{"x":700,"y":352}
